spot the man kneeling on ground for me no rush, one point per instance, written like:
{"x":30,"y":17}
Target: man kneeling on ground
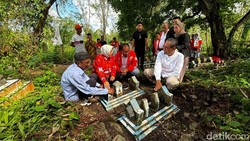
{"x":127,"y":62}
{"x":75,"y":81}
{"x":168,"y":65}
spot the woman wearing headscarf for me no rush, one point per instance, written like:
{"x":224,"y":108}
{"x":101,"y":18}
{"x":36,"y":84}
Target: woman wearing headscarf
{"x":183,"y":45}
{"x":105,"y":66}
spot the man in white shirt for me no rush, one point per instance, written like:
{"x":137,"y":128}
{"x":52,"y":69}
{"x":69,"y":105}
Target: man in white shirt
{"x":168,"y":65}
{"x":163,"y":35}
{"x":77,"y":40}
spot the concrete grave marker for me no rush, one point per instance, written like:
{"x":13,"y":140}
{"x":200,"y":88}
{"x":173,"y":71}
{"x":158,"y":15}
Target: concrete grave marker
{"x":165,"y":96}
{"x":129,"y":112}
{"x":155,"y":102}
{"x":134,"y":83}
{"x":139,"y":113}
{"x":145,"y":106}
{"x":118,"y":88}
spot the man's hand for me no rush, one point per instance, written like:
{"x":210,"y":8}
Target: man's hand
{"x":158,"y":85}
{"x":112,"y":78}
{"x":106,"y":85}
{"x":101,"y":86}
{"x":111,"y":91}
{"x":124,"y":72}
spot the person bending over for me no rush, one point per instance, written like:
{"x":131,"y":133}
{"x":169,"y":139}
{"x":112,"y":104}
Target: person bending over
{"x":75,"y":82}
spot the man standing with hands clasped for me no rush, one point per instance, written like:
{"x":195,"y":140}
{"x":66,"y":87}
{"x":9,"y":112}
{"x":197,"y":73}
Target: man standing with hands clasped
{"x":140,"y":42}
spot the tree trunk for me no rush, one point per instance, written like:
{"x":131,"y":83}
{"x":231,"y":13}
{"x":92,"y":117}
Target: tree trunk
{"x":41,"y":22}
{"x":210,"y":9}
{"x":236,"y":26}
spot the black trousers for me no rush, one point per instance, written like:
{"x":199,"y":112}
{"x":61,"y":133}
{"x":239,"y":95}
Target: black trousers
{"x":140,"y":56}
{"x":92,"y":82}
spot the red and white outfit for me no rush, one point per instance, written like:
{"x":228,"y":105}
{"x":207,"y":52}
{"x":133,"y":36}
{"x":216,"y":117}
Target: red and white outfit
{"x":98,"y":48}
{"x":163,"y":36}
{"x":105,"y":66}
{"x":115,"y":44}
{"x":129,"y":62}
{"x":156,"y":46}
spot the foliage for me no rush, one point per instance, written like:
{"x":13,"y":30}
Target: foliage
{"x":153,"y":13}
{"x":234,"y":78}
{"x":34,"y":116}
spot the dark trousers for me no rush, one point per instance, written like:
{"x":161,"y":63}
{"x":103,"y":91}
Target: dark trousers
{"x":92,"y":82}
{"x":140,"y":57}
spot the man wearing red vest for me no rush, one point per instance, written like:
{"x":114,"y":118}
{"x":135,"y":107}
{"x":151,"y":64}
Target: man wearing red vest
{"x":127,"y":61}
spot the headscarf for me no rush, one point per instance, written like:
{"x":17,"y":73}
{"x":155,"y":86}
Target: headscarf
{"x":197,"y":39}
{"x":182,"y":26}
{"x":106,"y":49}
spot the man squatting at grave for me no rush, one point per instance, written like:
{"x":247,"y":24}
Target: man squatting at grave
{"x":75,"y":82}
{"x":127,"y":62}
{"x":168,"y":65}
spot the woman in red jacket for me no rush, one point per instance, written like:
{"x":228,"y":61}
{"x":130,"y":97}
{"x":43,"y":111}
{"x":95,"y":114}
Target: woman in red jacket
{"x":105,"y":66}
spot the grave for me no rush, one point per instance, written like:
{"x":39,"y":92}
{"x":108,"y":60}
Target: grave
{"x":143,"y":111}
{"x":142,"y":119}
{"x":13,"y":90}
{"x":112,"y":101}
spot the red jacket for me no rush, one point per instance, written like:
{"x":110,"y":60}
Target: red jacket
{"x":131,"y":62}
{"x":115,"y":44}
{"x":156,"y":46}
{"x":104,"y":67}
{"x":198,"y":46}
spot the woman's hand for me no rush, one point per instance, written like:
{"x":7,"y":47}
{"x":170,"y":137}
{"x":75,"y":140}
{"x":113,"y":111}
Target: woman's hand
{"x":106,"y":85}
{"x":112,"y":78}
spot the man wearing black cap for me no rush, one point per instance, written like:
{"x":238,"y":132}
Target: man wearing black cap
{"x":75,"y":81}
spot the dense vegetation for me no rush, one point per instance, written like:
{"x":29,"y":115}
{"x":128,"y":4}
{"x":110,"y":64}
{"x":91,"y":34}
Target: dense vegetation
{"x":26,"y":55}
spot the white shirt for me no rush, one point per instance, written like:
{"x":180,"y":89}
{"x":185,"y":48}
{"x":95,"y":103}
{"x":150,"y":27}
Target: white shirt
{"x":124,"y":62}
{"x":79,"y":47}
{"x":162,"y":40}
{"x":167,"y":66}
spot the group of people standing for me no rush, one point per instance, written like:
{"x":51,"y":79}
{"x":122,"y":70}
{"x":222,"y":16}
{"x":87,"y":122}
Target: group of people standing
{"x":171,"y":49}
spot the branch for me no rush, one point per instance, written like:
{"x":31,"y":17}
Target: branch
{"x":194,"y":14}
{"x":236,"y":26}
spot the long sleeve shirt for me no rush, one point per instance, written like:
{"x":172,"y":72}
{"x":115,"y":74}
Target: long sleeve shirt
{"x":74,"y":80}
{"x":167,"y":66}
{"x":104,"y":67}
{"x":130,"y":63}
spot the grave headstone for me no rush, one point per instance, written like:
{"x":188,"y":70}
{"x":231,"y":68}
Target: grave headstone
{"x":145,"y":106}
{"x":155,"y":102}
{"x":134,"y":83}
{"x":139,"y":113}
{"x":118,"y":88}
{"x":165,"y":96}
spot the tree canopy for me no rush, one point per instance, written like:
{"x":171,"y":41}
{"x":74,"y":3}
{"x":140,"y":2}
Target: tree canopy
{"x":222,"y":16}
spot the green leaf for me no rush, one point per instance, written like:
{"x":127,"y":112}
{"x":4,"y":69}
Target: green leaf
{"x":234,"y":124}
{"x":210,"y":118}
{"x":73,"y":115}
{"x":225,"y":128}
{"x":2,"y":128}
{"x":21,"y":129}
{"x":39,"y":108}
{"x":245,"y":119}
{"x":6,"y":117}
